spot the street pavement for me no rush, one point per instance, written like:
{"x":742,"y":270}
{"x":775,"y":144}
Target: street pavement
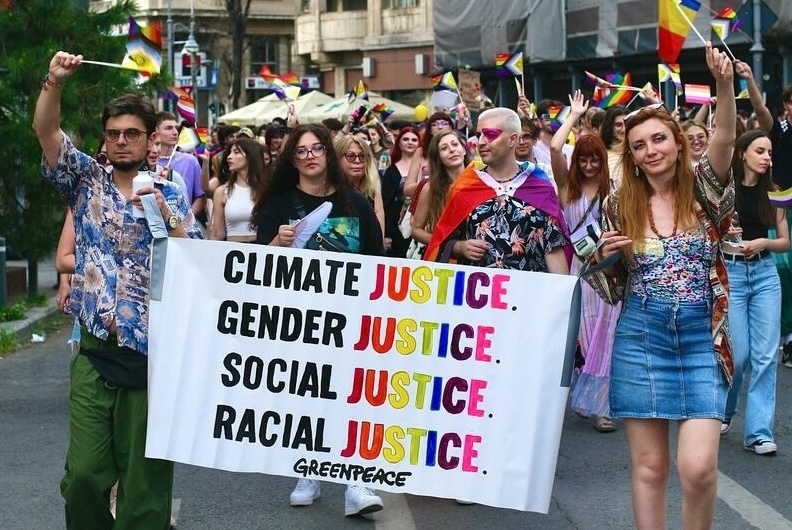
{"x":592,"y":488}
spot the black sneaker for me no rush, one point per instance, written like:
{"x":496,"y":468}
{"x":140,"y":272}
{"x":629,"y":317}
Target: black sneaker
{"x":786,"y":356}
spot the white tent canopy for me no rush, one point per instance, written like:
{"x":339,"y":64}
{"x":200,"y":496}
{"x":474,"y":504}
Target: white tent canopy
{"x":302,"y":105}
{"x":341,"y":108}
{"x":248,"y":115}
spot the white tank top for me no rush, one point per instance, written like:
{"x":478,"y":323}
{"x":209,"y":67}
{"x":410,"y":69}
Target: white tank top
{"x":238,"y":212}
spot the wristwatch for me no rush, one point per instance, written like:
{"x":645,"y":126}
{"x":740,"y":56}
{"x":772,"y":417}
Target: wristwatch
{"x":172,"y":222}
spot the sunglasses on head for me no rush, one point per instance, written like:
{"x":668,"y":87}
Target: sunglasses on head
{"x":491,"y":134}
{"x":653,"y":106}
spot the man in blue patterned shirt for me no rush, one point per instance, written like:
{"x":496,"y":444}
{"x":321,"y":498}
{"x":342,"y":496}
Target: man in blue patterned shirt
{"x":110,"y":295}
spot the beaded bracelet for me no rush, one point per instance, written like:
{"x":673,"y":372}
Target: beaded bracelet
{"x":47,"y":82}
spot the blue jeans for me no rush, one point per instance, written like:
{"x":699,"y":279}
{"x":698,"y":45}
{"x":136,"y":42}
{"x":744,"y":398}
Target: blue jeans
{"x":754,"y":312}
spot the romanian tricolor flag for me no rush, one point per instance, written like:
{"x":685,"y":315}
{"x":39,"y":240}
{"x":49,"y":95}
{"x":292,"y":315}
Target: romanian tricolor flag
{"x":673,"y":27}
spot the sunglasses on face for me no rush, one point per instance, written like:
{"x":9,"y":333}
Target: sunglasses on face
{"x":131,"y":135}
{"x":490,"y":134}
{"x":355,"y":157}
{"x":316,"y":150}
{"x":653,"y":106}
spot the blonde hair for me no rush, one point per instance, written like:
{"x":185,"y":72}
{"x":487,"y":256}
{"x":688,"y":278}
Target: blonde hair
{"x":370,"y":185}
{"x":635,"y":190}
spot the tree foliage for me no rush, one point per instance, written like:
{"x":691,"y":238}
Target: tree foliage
{"x":31,"y":212}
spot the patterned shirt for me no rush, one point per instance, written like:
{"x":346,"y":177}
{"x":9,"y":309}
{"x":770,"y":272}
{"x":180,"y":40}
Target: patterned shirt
{"x":519,"y":234}
{"x":113,"y":248}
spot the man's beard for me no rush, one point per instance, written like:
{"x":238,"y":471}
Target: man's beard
{"x":127,"y":166}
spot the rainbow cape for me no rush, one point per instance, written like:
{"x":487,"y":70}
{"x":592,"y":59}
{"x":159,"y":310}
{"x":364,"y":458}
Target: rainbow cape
{"x":469,"y":191}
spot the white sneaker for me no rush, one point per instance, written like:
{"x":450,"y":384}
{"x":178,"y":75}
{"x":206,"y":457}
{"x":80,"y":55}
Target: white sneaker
{"x":305,"y":492}
{"x":762,"y":447}
{"x":360,"y":500}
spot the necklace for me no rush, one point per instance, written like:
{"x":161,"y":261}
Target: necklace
{"x":654,"y":228}
{"x":504,"y":181}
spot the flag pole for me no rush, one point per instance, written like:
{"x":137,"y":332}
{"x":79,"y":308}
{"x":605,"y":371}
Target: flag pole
{"x":698,"y":34}
{"x":100,"y":63}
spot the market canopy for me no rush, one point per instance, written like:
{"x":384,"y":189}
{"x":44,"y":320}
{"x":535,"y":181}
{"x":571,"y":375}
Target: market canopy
{"x":302,"y":105}
{"x":249,"y":114}
{"x":341,"y":109}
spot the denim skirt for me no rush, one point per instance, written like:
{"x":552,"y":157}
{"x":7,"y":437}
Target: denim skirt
{"x":664,"y":363}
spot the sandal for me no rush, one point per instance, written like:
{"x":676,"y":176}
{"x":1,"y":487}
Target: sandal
{"x":604,"y":424}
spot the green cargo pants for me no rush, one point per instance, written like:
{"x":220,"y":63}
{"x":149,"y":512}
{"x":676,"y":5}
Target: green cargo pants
{"x":107,"y":442}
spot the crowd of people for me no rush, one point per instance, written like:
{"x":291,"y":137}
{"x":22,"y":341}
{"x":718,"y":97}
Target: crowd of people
{"x":684,"y":293}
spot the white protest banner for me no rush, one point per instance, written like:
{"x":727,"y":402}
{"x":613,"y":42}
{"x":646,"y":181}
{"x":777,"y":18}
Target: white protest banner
{"x":403,"y":375}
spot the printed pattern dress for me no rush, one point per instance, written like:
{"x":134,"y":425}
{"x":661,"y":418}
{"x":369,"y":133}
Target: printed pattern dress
{"x":597,"y":328}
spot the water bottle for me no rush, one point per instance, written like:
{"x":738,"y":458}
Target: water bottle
{"x":142,"y":180}
{"x":735,"y":240}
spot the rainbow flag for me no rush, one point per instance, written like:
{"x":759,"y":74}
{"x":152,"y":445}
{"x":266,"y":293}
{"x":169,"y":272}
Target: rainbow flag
{"x":673,"y":28}
{"x":267,"y":74}
{"x":381,"y":111}
{"x":290,"y":78}
{"x":617,"y":90}
{"x":509,"y":64}
{"x":558,"y":115}
{"x":727,"y":13}
{"x":781,"y":199}
{"x":151,"y":34}
{"x":698,"y":94}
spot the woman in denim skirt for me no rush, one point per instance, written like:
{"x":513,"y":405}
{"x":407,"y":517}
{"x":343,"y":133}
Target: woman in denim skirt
{"x":671,"y":354}
{"x":755,"y":290}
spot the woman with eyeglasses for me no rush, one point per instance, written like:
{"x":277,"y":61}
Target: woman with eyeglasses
{"x":232,"y":204}
{"x":357,"y":164}
{"x":755,"y":290}
{"x":672,"y":358}
{"x":581,"y":190}
{"x":419,"y":169}
{"x":307,"y":174}
{"x":697,"y":137}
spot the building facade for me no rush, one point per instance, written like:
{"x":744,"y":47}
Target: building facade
{"x":269,"y":38}
{"x":389,"y":44}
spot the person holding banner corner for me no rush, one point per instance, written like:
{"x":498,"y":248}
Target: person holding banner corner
{"x":672,"y":358}
{"x":108,"y":397}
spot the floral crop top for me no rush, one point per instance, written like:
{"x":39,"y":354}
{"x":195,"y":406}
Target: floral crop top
{"x":674,"y":268}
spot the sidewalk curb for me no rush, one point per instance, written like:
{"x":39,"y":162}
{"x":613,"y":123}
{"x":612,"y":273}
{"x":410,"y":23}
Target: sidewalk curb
{"x":23,"y":328}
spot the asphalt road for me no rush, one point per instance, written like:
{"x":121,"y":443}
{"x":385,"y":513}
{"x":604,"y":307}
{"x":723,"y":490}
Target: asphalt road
{"x":592,"y":488}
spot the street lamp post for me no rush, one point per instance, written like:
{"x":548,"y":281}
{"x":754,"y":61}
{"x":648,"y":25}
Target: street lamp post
{"x":191,"y":47}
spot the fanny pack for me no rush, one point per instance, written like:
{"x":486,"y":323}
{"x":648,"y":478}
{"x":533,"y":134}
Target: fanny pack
{"x":118,"y":365}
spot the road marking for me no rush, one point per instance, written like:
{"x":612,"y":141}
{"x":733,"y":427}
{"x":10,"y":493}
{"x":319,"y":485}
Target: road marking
{"x":396,"y":515}
{"x":749,"y":506}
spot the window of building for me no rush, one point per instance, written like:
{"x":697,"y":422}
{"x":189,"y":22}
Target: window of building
{"x":263,"y":51}
{"x":400,"y":4}
{"x":347,"y":5}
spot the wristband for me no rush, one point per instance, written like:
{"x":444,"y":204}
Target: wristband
{"x":48,"y":82}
